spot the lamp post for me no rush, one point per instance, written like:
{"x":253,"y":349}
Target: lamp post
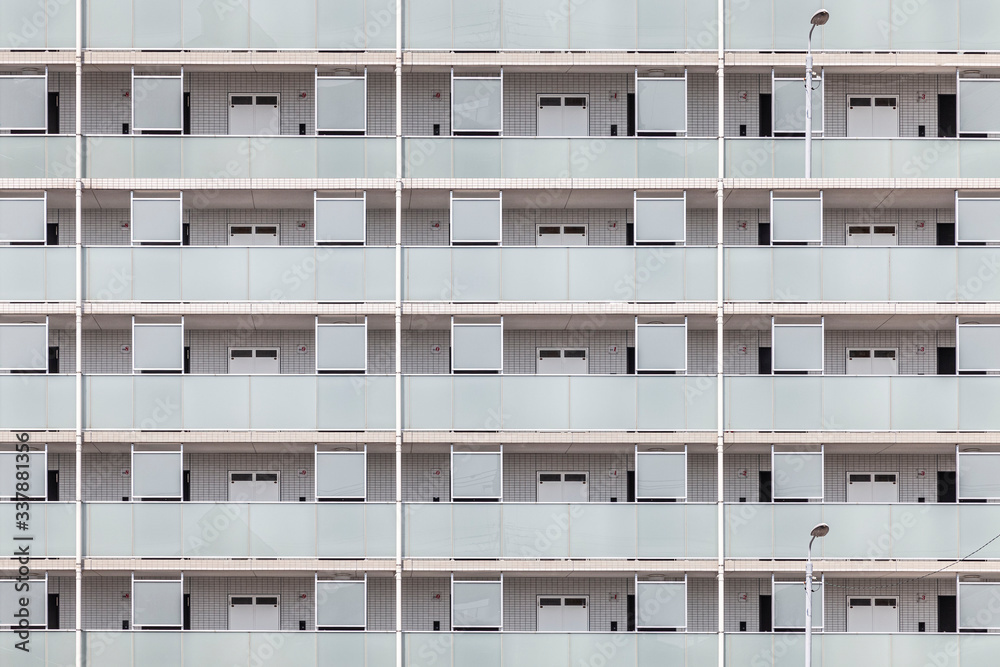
{"x":819,"y":18}
{"x":820,"y":530}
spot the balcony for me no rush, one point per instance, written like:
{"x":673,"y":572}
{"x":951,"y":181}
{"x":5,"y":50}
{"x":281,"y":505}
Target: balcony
{"x":37,"y":273}
{"x":864,"y":158}
{"x":555,"y":530}
{"x":26,"y":157}
{"x":877,"y":531}
{"x":224,"y":157}
{"x":51,"y":525}
{"x":543,"y":157}
{"x":559,"y":403}
{"x":252,"y":24}
{"x":238,"y":402}
{"x":918,"y":274}
{"x":240,"y":530}
{"x":283,"y":273}
{"x":644,"y":274}
{"x":37,"y":402}
{"x":862,"y":403}
{"x":847,"y":650}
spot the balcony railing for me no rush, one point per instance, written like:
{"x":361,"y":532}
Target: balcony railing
{"x":240,"y":530}
{"x":44,"y":402}
{"x":849,"y":650}
{"x":47,"y":648}
{"x":237,"y":402}
{"x":559,"y":403}
{"x":934,"y":274}
{"x":52,"y":527}
{"x":560,"y":530}
{"x":353,"y":25}
{"x":864,"y":158}
{"x":862,"y":403}
{"x":927,"y":531}
{"x":37,"y":156}
{"x":647,"y":274}
{"x":37,"y":274}
{"x":543,"y":157}
{"x":283,"y":273}
{"x":239,"y":157}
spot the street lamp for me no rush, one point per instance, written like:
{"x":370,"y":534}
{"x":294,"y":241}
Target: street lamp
{"x":819,"y":18}
{"x":820,"y":530}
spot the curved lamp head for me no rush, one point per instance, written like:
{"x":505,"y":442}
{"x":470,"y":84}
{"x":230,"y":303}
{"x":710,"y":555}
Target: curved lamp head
{"x":820,"y":18}
{"x":820,"y":530}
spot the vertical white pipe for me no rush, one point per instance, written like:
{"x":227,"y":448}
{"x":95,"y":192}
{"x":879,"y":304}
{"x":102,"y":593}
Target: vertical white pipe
{"x":78,"y":311}
{"x":719,"y":325}
{"x":398,"y":334}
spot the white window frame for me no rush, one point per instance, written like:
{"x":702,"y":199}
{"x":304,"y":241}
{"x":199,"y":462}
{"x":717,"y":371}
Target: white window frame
{"x":45,"y":77}
{"x":635,"y":337}
{"x":635,"y":113}
{"x":562,"y":233}
{"x":958,"y":221}
{"x":873,"y":350}
{"x":45,"y":360}
{"x":822,"y":475}
{"x":538,"y":98}
{"x":847,"y":484}
{"x":44,"y":582}
{"x":317,"y":453}
{"x":635,"y":465}
{"x":451,"y":476}
{"x":958,"y":107}
{"x":363,"y":241}
{"x":180,"y":219}
{"x":451,"y":333}
{"x":959,"y":584}
{"x":362,"y":131}
{"x":137,"y":370}
{"x":131,"y":119}
{"x":363,"y":324}
{"x":802,"y":584}
{"x":255,"y":473}
{"x":872,"y":97}
{"x":635,"y":218}
{"x":44,"y":451}
{"x":452,"y":598}
{"x":451,"y":221}
{"x":958,"y":345}
{"x":131,"y":476}
{"x":451,"y":119}
{"x":157,"y":581}
{"x":229,"y":104}
{"x":817,"y":78}
{"x":847,"y":608}
{"x":653,"y":628}
{"x":253,"y":353}
{"x":563,"y":597}
{"x":45,"y":219}
{"x":770,"y":220}
{"x":822,"y":327}
{"x":317,"y":581}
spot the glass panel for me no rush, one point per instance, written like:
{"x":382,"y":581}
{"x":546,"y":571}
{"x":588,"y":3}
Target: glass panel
{"x":791,"y":522}
{"x":977,"y":102}
{"x":157,"y":530}
{"x":341,"y":103}
{"x":536,"y":157}
{"x":600,"y":274}
{"x":602,"y":531}
{"x":341,"y":272}
{"x":341,"y":604}
{"x":924,"y":403}
{"x":428,"y":24}
{"x":380,"y":530}
{"x":789,"y":605}
{"x":286,"y":649}
{"x":977,"y":219}
{"x":109,"y":273}
{"x":975,"y":523}
{"x":476,"y":530}
{"x":856,"y":274}
{"x":16,"y":469}
{"x":748,"y":274}
{"x":157,"y":24}
{"x":661,"y":475}
{"x":977,"y":395}
{"x":269,"y":274}
{"x":798,"y":404}
{"x":922,"y":274}
{"x":748,"y":25}
{"x":22,"y":273}
{"x":536,"y":650}
{"x":207,"y":28}
{"x":156,"y":474}
{"x":341,"y":527}
{"x":535,"y":274}
{"x":658,"y":27}
{"x":157,"y":103}
{"x":928,"y":531}
{"x":340,"y":475}
{"x":661,"y":105}
{"x":207,"y":157}
{"x":341,"y":220}
{"x":477,"y":105}
{"x":342,"y":24}
{"x":797,"y":475}
{"x":475,"y":220}
{"x":341,"y":347}
{"x":749,"y":403}
{"x":977,"y":604}
{"x":975,"y":18}
{"x":22,"y":219}
{"x":790,"y":105}
{"x":477,"y":347}
{"x":856,"y":403}
{"x":205,"y":649}
{"x":427,"y":402}
{"x":702,"y":25}
{"x":475,"y":402}
{"x":797,"y":220}
{"x":661,"y":604}
{"x":476,"y":273}
{"x":427,"y":274}
{"x":156,"y":220}
{"x":749,"y":530}
{"x":797,"y":347}
{"x":602,"y":403}
{"x":476,"y":475}
{"x":157,"y":273}
{"x":158,"y":347}
{"x":535,"y":403}
{"x":477,"y":158}
{"x":659,"y":220}
{"x":661,"y":347}
{"x":215,"y":274}
{"x":616,"y":650}
{"x":155,"y":401}
{"x":284,"y":402}
{"x":24,"y":347}
{"x":870,"y":534}
{"x":978,"y":347}
{"x":282,"y":529}
{"x":216,"y":402}
{"x":535,"y":24}
{"x":482,"y":649}
{"x":978,"y":475}
{"x":109,"y":530}
{"x":427,"y":531}
{"x":157,"y":603}
{"x":477,"y":604}
{"x":660,"y":275}
{"x":536,"y":531}
{"x":380,"y":274}
{"x":216,"y":530}
{"x":290,"y":24}
{"x":23,"y":101}
{"x":602,"y":25}
{"x":797,"y":273}
{"x":476,"y":25}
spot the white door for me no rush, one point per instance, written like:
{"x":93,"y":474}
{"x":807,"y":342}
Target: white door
{"x":250,"y":613}
{"x":561,"y":362}
{"x":859,"y":362}
{"x":872,"y":615}
{"x":562,"y":487}
{"x":252,"y":114}
{"x":561,"y":235}
{"x":884,"y":362}
{"x":885,"y":117}
{"x":866,"y":487}
{"x":254,"y":487}
{"x":880,"y":235}
{"x":253,"y":361}
{"x":885,"y":488}
{"x":563,"y":116}
{"x":867,"y":361}
{"x":253,"y":235}
{"x":562,"y":614}
{"x":884,"y":235}
{"x":872,"y":116}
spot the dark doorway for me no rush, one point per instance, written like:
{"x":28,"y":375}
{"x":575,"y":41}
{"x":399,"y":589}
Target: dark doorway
{"x":765,"y":614}
{"x":946,"y":486}
{"x":53,"y":611}
{"x":947,"y":113}
{"x":630,"y":110}
{"x":947,"y":613}
{"x":764,"y":361}
{"x":764,"y":233}
{"x":946,"y":364}
{"x":764,"y":486}
{"x":187,"y":114}
{"x":52,"y":485}
{"x":630,"y":486}
{"x":53,"y":358}
{"x":52,"y":233}
{"x":945,"y":232}
{"x":764,"y":115}
{"x":53,"y":113}
{"x":630,"y":614}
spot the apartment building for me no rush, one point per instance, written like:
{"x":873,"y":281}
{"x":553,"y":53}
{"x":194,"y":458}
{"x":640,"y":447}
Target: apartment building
{"x":498,"y":334}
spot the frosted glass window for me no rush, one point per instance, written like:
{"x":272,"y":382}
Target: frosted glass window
{"x":798,"y":475}
{"x":797,"y":347}
{"x":36,"y":472}
{"x":341,"y":347}
{"x":341,"y":604}
{"x":24,"y":347}
{"x":475,"y":220}
{"x":797,"y":220}
{"x":10,"y":602}
{"x":977,"y":104}
{"x":661,"y":347}
{"x":477,"y":604}
{"x":340,"y":104}
{"x":978,"y":476}
{"x":156,"y":474}
{"x":661,"y":105}
{"x":22,"y":220}
{"x":156,"y":220}
{"x":978,"y":347}
{"x":475,"y":475}
{"x":661,"y":604}
{"x":477,"y":105}
{"x":157,"y":103}
{"x":23,"y":101}
{"x":340,"y":220}
{"x":661,"y":475}
{"x":158,"y":347}
{"x":659,"y":221}
{"x":790,"y":105}
{"x":477,"y":347}
{"x":976,"y":219}
{"x":157,"y":603}
{"x":340,"y":475}
{"x":790,"y":605}
{"x":977,"y":606}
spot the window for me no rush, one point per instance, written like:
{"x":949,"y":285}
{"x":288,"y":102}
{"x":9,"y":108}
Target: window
{"x":476,"y":220}
{"x":789,"y":106}
{"x":22,"y":221}
{"x":661,"y":105}
{"x":562,"y":362}
{"x":476,"y":476}
{"x":871,"y":362}
{"x":661,"y":347}
{"x":977,"y":103}
{"x":661,"y":605}
{"x":156,"y":220}
{"x":342,"y":348}
{"x":340,"y":221}
{"x":978,"y":220}
{"x":872,"y":116}
{"x":24,"y":347}
{"x":797,"y":347}
{"x":24,"y":103}
{"x":661,"y":476}
{"x":253,"y":234}
{"x":11,"y":595}
{"x":253,"y":361}
{"x":341,"y":105}
{"x":341,"y":605}
{"x":796,"y":220}
{"x":477,"y":605}
{"x":157,"y":104}
{"x":660,"y":220}
{"x":340,"y":475}
{"x":157,"y":604}
{"x":477,"y":105}
{"x":157,"y":475}
{"x":158,"y":347}
{"x":254,"y":487}
{"x":254,"y":114}
{"x":562,"y":614}
{"x":562,"y":487}
{"x":13,"y":462}
{"x":872,"y":487}
{"x":865,"y":235}
{"x":561,"y":235}
{"x":563,"y":116}
{"x":477,"y":347}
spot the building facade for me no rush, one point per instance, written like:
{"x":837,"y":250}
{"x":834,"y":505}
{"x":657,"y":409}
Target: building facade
{"x":498,"y":334}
